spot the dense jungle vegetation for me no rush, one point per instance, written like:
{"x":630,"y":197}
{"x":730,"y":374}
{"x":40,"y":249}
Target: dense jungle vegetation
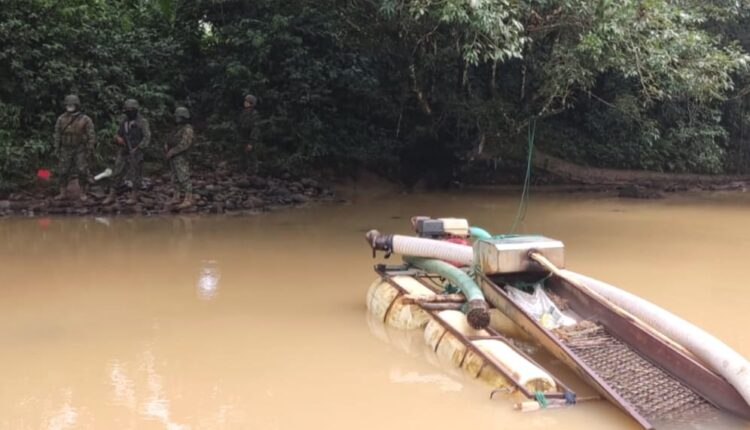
{"x":408,"y":89}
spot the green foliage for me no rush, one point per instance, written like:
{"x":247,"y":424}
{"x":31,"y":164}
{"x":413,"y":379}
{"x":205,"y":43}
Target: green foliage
{"x":657,"y":79}
{"x":98,"y":50}
{"x":409,"y":89}
{"x":655,"y":44}
{"x":315,"y":90}
{"x":14,"y":158}
{"x":487,"y":30}
{"x":642,"y":81}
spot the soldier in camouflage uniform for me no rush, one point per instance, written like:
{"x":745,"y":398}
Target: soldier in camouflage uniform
{"x":178,"y":144}
{"x":132,"y":137}
{"x":247,"y":125}
{"x":74,"y":138}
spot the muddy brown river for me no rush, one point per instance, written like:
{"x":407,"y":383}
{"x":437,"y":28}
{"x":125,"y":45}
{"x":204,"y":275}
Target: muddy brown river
{"x":260,"y":322}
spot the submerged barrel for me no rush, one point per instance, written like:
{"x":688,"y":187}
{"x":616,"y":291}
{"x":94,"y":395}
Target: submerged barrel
{"x":408,"y":341}
{"x":448,"y":348}
{"x":453,"y":351}
{"x":522,"y":370}
{"x":385,"y":302}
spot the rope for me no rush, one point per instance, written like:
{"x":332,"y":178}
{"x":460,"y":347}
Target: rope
{"x":541,"y":399}
{"x":505,"y":236}
{"x":522,"y":206}
{"x":503,"y":390}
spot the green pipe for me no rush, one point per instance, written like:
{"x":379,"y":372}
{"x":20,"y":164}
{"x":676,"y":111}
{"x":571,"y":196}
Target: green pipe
{"x":453,"y":274}
{"x":476,"y":308}
{"x":479,"y":233}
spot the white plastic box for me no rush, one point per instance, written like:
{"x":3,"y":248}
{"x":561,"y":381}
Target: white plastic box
{"x":456,"y":226}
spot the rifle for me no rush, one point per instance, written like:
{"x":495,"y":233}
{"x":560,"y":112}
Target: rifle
{"x":125,"y":134}
{"x":128,"y":144}
{"x":131,"y":149}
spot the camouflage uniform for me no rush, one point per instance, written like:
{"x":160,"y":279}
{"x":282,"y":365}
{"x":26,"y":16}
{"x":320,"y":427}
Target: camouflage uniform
{"x":136,"y":134}
{"x":249,"y":134}
{"x":179,"y":143}
{"x":248,"y":127}
{"x":74,"y":139}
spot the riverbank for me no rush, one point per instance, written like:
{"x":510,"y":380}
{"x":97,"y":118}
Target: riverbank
{"x":224,"y":192}
{"x":216,"y":193}
{"x":553,"y":174}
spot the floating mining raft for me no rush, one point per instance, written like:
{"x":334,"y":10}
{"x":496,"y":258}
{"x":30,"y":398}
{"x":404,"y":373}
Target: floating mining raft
{"x":483,"y":354}
{"x":460,"y":285}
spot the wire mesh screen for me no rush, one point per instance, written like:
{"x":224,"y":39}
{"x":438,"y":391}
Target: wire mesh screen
{"x":653,"y":392}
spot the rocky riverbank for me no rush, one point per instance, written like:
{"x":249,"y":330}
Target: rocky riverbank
{"x":216,"y":193}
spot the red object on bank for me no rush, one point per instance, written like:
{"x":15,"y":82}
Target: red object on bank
{"x":43,"y":174}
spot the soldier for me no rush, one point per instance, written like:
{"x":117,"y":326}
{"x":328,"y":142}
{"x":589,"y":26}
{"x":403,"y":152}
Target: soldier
{"x":133,"y":135}
{"x":249,"y":131}
{"x":75,"y":138}
{"x":178,"y":143}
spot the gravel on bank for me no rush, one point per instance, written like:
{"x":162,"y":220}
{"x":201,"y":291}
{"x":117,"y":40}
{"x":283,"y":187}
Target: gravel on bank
{"x":215,"y":193}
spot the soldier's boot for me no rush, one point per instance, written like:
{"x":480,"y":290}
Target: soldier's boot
{"x":61,"y":195}
{"x":188,"y":202}
{"x":111,"y":197}
{"x":175,"y":198}
{"x":132,"y":198}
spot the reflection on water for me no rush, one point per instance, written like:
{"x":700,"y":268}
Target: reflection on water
{"x":208,"y":280}
{"x":443,"y":383}
{"x":101,"y":220}
{"x":444,"y":378}
{"x":407,"y":341}
{"x":139,"y":389}
{"x":65,"y":417}
{"x":153,"y":404}
{"x":123,"y":386}
{"x":260,"y":323}
{"x":156,"y":404}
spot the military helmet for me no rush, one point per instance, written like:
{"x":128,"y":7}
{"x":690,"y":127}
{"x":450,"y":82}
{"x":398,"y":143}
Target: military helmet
{"x":130,"y":104}
{"x":72,"y":99}
{"x":252,"y":99}
{"x":182,"y":112}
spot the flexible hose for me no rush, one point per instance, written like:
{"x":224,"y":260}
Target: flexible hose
{"x":420,"y":247}
{"x":477,"y":310}
{"x":454,"y":275}
{"x":430,"y":248}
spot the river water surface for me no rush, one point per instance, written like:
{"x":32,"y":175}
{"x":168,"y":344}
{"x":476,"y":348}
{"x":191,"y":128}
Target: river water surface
{"x":260,"y":322}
